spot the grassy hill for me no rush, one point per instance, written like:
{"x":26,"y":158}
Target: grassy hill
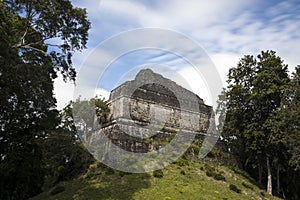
{"x":181,"y":180}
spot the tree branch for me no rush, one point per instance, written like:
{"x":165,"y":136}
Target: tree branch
{"x":33,"y":48}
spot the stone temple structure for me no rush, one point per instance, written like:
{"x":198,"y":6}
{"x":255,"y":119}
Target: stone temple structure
{"x":148,"y":111}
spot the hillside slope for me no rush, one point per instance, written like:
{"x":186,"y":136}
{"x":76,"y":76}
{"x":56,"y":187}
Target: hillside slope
{"x":181,"y":180}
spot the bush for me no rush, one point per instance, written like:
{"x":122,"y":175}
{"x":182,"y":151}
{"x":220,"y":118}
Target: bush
{"x":209,"y":170}
{"x":212,"y":173}
{"x":109,"y":171}
{"x":182,"y":172}
{"x":247,"y":186}
{"x":158,"y":173}
{"x":57,"y":189}
{"x":234,"y":188}
{"x":191,"y":153}
{"x":121,"y":173}
{"x":181,"y":162}
{"x":209,"y":173}
{"x":219,"y":177}
{"x":215,"y":175}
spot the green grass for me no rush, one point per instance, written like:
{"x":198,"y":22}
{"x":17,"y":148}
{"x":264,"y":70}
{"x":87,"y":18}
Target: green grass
{"x":188,"y":181}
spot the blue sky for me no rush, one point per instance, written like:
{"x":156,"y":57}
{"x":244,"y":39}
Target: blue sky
{"x":226,"y":30}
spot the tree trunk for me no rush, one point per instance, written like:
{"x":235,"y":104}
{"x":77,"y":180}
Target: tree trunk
{"x":269,"y":186}
{"x":278,"y":182}
{"x":260,"y":171}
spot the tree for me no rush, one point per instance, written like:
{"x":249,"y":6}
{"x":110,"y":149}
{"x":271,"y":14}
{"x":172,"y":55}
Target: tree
{"x":38,"y":39}
{"x":285,"y":128}
{"x":290,"y":115}
{"x":64,"y":156}
{"x":238,"y":108}
{"x":89,"y":115}
{"x":254,"y":95}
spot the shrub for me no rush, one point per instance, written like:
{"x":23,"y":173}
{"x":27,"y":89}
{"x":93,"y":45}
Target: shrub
{"x":209,"y":173}
{"x":191,"y":153}
{"x":158,"y":173}
{"x":182,"y":172}
{"x":234,"y":188}
{"x":121,"y":173}
{"x":247,"y":186}
{"x":219,"y":177}
{"x":109,"y":171}
{"x":215,"y":175}
{"x":181,"y":162}
{"x":57,"y":189}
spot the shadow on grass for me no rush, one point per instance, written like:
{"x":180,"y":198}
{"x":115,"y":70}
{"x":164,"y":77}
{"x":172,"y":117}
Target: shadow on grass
{"x":99,"y":183}
{"x":248,"y":177}
{"x":113,"y":186}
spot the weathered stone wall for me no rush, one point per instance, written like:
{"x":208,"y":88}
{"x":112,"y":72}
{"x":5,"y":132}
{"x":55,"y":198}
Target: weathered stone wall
{"x":152,"y":108}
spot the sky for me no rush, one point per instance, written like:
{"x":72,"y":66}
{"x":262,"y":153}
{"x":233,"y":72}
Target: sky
{"x":224,"y":30}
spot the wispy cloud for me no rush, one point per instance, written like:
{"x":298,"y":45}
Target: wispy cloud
{"x":226,"y":30}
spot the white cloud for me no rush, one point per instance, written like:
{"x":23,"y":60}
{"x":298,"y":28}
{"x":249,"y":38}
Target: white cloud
{"x":227,"y":30}
{"x":102,"y":93}
{"x":63,"y":92}
{"x":196,"y":83}
{"x":223,"y":62}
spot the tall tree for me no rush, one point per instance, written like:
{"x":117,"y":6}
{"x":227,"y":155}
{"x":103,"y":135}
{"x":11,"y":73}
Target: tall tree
{"x":64,"y":156}
{"x":254,"y":95}
{"x":89,"y":115}
{"x":290,"y":115}
{"x":238,"y":107}
{"x":268,"y":89}
{"x":285,"y":128}
{"x":38,"y":39}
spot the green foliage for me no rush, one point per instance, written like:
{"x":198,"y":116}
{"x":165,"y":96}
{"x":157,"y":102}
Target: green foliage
{"x":258,"y":102}
{"x":219,"y":177}
{"x":164,"y":128}
{"x":63,"y":157}
{"x":234,"y":188}
{"x":211,"y":172}
{"x":122,"y":173}
{"x":173,"y":185}
{"x":88,"y":115}
{"x":181,"y":162}
{"x":192,"y":152}
{"x":28,"y":68}
{"x":109,"y":171}
{"x":286,"y":124}
{"x":247,"y":186}
{"x":35,"y":24}
{"x":158,"y":173}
